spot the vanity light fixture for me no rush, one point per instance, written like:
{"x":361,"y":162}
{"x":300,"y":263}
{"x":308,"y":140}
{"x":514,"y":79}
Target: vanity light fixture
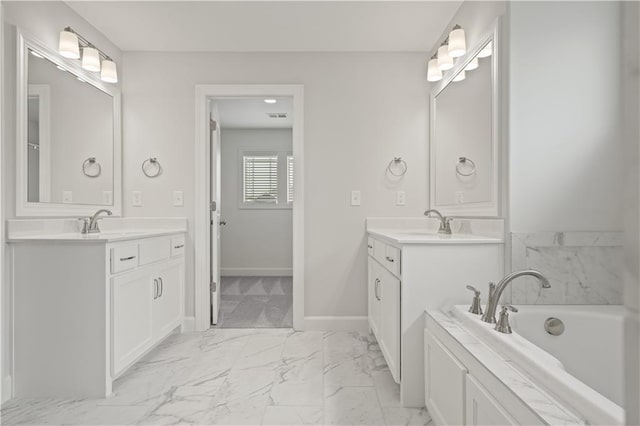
{"x":445,"y":62}
{"x":486,"y":51}
{"x":433,"y":72}
{"x":93,"y":59}
{"x":460,"y":76}
{"x":270,"y":101}
{"x":472,"y":65}
{"x":457,"y":42}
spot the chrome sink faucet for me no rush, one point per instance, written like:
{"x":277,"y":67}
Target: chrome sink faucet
{"x":445,"y":222}
{"x":91,"y":224}
{"x":494,"y":297}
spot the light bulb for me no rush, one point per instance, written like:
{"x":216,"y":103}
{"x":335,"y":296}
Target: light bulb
{"x":457,"y":43}
{"x":460,"y":76}
{"x":433,"y":72}
{"x":472,"y":65}
{"x":486,"y":51}
{"x":109,"y":72}
{"x":91,"y":59}
{"x":68,"y":45}
{"x":270,"y":101}
{"x":445,"y":62}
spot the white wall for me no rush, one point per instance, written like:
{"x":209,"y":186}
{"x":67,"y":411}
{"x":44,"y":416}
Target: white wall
{"x":566,"y":151}
{"x":254,"y":241}
{"x":361,"y":110}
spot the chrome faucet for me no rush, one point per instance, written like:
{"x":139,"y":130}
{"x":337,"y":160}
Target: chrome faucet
{"x":91,"y":224}
{"x":492,"y":302}
{"x":445,"y":222}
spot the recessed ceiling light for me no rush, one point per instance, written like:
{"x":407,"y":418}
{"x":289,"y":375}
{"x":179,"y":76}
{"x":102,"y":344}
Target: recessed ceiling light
{"x":270,"y":101}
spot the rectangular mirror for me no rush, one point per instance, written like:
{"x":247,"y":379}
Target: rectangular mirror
{"x":68,"y":152}
{"x":465,"y":136}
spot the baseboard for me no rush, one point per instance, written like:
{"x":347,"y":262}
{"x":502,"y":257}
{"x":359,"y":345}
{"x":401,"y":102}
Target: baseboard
{"x":6,"y":389}
{"x":256,"y":272}
{"x":332,"y":323}
{"x":189,"y":324}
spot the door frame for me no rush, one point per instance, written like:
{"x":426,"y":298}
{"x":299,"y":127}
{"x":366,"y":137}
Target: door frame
{"x":202,"y":197}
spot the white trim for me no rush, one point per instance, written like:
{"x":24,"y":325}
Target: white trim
{"x":493,"y":207}
{"x":189,"y":324}
{"x":6,"y":389}
{"x":256,"y":272}
{"x":43,"y":93}
{"x":23,"y":206}
{"x":333,"y":323}
{"x":201,"y":234}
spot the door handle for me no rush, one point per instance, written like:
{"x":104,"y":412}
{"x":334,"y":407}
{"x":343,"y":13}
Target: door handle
{"x":223,"y":222}
{"x":389,"y":259}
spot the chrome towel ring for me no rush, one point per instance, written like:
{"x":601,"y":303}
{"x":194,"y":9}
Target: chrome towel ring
{"x":151,"y":167}
{"x":91,"y":168}
{"x":464,"y":161}
{"x":397,"y":167}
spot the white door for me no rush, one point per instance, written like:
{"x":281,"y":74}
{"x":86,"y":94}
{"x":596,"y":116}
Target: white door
{"x":167,"y":304}
{"x":214,"y":139}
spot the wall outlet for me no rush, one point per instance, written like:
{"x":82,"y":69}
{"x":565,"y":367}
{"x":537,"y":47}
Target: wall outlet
{"x":459,"y":197}
{"x":107,"y":197}
{"x":136,"y":198}
{"x":178,"y":198}
{"x":355,"y":198}
{"x":401,"y":199}
{"x":67,"y":197}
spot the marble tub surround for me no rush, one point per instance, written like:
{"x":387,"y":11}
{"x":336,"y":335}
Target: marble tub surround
{"x":584,"y":268}
{"x":112,"y":228}
{"x":547,"y":408}
{"x":242,"y":377}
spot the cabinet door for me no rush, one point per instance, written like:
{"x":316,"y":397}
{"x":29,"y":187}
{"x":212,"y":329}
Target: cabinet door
{"x":131,"y":329}
{"x":482,"y":409}
{"x":375,"y":306}
{"x":444,"y":383}
{"x":167,"y":306}
{"x":390,"y":324}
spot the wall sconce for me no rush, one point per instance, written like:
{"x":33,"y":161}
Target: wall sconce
{"x":460,"y":76}
{"x":445,"y":62}
{"x":93,"y":59}
{"x":457,"y":42}
{"x":472,"y":65}
{"x":433,"y":72}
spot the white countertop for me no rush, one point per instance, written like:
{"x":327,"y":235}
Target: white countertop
{"x":425,"y":236}
{"x":104,"y":237}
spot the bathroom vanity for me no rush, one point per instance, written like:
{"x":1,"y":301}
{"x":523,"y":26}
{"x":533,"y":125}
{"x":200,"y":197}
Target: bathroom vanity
{"x":410,"y":267}
{"x":87,"y":306}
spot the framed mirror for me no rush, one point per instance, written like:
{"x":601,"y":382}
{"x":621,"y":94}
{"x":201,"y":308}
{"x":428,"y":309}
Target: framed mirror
{"x":68,"y":145}
{"x":465,"y":134}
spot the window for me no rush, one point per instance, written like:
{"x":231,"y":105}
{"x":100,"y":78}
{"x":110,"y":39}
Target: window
{"x":266,"y":179}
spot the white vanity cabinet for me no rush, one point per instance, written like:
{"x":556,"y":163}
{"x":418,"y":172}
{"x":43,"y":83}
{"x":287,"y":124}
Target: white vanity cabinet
{"x":86,"y":309}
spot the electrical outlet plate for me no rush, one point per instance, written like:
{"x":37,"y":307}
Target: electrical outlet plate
{"x":136,"y":198}
{"x":107,"y":198}
{"x":400,"y":198}
{"x":178,"y":198}
{"x":67,"y":197}
{"x":355,"y":198}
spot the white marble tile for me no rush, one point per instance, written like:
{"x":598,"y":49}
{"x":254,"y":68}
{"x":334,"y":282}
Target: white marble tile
{"x":399,"y":416}
{"x":282,"y":415}
{"x":352,"y":406}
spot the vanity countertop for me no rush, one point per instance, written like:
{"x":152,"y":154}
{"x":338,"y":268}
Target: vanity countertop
{"x":104,"y":237}
{"x":426,"y":236}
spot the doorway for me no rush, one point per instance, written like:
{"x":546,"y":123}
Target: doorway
{"x":215,"y":275}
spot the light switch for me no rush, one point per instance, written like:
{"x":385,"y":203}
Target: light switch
{"x":67,"y":197}
{"x":178,"y":198}
{"x":136,"y":198}
{"x":107,"y":197}
{"x":355,"y":198}
{"x":400,"y":198}
{"x":459,"y":197}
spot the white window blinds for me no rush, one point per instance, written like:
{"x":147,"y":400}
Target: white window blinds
{"x":289,"y":179}
{"x":260,"y":174}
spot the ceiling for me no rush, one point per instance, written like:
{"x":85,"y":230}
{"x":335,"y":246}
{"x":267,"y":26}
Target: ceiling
{"x":253,"y":113}
{"x":270,"y":26}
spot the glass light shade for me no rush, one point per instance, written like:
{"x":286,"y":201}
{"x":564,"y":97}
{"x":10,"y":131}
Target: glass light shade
{"x":460,"y":76}
{"x":109,"y":72}
{"x":433,"y":72}
{"x":457,"y":43}
{"x":486,"y":51}
{"x":445,"y":62}
{"x":68,"y":45}
{"x":472,"y":65}
{"x":91,"y":59}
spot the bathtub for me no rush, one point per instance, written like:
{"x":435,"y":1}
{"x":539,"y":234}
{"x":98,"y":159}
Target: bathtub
{"x":582,"y":367}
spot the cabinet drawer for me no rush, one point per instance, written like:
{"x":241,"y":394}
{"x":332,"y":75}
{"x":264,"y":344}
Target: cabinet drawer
{"x":154,"y":250}
{"x":392,"y":259}
{"x":370,"y":246}
{"x":177,"y":246}
{"x":124,"y":258}
{"x":379,"y":249}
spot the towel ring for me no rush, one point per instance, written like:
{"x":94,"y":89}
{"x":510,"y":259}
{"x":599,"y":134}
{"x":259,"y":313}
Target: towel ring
{"x":398,"y":162}
{"x":463,"y":161}
{"x":86,"y":167}
{"x":155,"y":170}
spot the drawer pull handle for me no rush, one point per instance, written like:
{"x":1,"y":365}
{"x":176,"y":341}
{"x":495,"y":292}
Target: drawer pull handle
{"x":161,"y":287}
{"x":375,"y":288}
{"x":370,"y":246}
{"x":124,"y":259}
{"x":155,"y":289}
{"x":389,"y":259}
{"x":180,"y":246}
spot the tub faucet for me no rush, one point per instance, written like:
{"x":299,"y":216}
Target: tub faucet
{"x":91,"y":225}
{"x":445,"y":222}
{"x":492,"y":303}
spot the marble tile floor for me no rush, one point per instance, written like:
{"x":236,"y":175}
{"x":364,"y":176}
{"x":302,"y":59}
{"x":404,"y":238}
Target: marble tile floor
{"x":241,"y":377}
{"x":256,"y":302}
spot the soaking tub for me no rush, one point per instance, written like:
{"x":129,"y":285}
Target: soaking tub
{"x":582,"y":366}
